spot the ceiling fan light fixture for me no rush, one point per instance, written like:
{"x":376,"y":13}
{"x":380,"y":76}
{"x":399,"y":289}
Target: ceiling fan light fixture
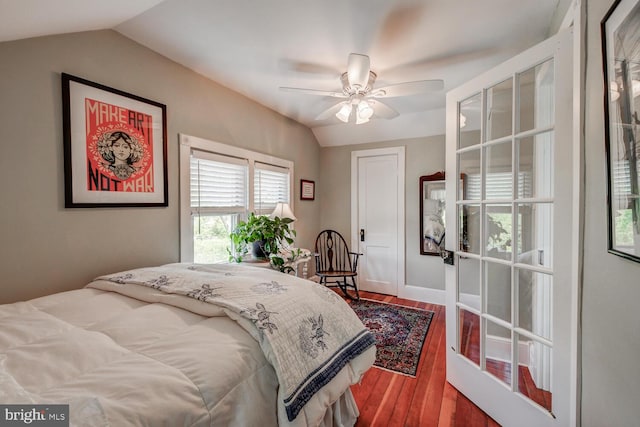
{"x":364,"y":110}
{"x":344,"y":113}
{"x":360,"y":120}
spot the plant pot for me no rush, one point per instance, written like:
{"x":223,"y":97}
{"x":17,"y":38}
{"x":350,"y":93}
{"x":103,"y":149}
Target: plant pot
{"x":256,"y":250}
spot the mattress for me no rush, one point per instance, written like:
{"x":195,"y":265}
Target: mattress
{"x":146,"y":357}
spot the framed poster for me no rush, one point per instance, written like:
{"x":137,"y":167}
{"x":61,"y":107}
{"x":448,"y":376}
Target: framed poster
{"x":620,"y":31}
{"x":115,"y":147}
{"x":307,"y":189}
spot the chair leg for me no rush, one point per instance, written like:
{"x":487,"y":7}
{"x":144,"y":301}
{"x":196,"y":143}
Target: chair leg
{"x":343,"y":287}
{"x":355,"y":286}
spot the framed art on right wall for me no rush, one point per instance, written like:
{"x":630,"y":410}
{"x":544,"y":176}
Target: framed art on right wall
{"x":620,"y":31}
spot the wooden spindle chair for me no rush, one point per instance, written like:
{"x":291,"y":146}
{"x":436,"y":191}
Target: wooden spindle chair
{"x":336,"y":266}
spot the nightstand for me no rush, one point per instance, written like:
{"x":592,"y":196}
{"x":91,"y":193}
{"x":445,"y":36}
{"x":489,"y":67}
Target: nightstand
{"x":302,"y":261}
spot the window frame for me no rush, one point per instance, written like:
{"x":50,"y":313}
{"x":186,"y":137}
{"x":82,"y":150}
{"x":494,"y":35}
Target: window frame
{"x":189,"y":143}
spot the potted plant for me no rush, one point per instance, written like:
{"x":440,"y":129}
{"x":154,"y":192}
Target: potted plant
{"x":264,"y":235}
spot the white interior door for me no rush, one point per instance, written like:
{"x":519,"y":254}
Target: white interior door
{"x":509,"y":295}
{"x":377,"y":227}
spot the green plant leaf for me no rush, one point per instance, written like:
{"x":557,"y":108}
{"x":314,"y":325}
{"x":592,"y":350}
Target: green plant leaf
{"x":273,"y":232}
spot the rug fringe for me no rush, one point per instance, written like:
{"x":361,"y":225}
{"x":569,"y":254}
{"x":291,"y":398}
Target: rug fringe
{"x":392,"y":371}
{"x":397,"y":305}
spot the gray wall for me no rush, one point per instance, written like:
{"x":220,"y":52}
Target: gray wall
{"x":424,"y":156}
{"x":46,"y":248}
{"x":611,"y":286}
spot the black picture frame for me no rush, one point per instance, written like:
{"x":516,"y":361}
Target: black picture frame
{"x":621,"y":71}
{"x":432,"y":212}
{"x":307,"y":189}
{"x":115,"y":147}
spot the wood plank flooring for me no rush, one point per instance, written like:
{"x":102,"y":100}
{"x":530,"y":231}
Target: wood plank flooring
{"x":389,"y":399}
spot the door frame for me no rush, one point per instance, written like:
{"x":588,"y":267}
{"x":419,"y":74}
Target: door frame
{"x":400,"y":229}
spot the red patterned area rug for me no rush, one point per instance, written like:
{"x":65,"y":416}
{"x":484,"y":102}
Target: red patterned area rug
{"x":400,"y":333}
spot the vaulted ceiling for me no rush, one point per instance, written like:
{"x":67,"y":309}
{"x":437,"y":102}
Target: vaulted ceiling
{"x":256,"y":47}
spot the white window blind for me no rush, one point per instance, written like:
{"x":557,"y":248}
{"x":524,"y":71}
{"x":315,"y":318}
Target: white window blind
{"x":622,"y":177}
{"x":271,"y":185}
{"x":498,"y":186}
{"x":219,"y":184}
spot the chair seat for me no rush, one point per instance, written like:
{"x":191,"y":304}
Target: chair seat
{"x":336,"y":273}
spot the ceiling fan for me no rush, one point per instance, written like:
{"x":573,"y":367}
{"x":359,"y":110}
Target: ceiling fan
{"x":362,"y":101}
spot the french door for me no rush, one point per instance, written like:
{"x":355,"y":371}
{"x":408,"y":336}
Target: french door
{"x":510,"y":326}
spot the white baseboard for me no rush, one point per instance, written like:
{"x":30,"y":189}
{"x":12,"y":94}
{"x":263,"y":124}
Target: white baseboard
{"x":470,"y":300}
{"x":417,"y":293}
{"x":499,"y":348}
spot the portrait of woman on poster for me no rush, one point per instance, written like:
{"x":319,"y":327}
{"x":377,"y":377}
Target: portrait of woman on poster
{"x":121,"y":152}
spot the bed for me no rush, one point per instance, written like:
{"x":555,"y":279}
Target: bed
{"x":188,"y":345}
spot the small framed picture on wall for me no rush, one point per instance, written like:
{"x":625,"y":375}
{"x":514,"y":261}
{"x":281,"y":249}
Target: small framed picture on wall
{"x":307,"y":189}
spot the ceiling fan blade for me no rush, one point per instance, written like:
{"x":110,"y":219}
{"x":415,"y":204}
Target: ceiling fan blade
{"x":408,"y":88}
{"x":358,"y":69}
{"x":314,"y":92}
{"x":331,"y":111}
{"x":382,"y":110}
{"x":308,"y":68}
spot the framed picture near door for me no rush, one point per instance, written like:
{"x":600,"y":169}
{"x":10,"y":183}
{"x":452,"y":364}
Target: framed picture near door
{"x":621,"y":54}
{"x":115,"y":147}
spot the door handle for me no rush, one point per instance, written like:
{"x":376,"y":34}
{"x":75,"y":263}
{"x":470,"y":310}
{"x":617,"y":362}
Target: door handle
{"x":362,"y":234}
{"x":447,"y":257}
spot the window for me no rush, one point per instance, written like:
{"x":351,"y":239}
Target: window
{"x":218,"y":190}
{"x":219,"y":186}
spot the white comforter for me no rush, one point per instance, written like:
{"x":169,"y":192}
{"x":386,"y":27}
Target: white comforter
{"x":143,"y":359}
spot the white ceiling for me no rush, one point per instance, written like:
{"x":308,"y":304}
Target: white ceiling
{"x":256,"y":46}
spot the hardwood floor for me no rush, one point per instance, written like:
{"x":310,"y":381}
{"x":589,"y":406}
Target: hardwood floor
{"x":390,"y":399}
{"x":470,"y":347}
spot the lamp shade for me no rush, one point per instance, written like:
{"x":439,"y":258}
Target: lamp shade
{"x":344,"y":113}
{"x":283,"y":210}
{"x":360,"y":120}
{"x":364,"y":110}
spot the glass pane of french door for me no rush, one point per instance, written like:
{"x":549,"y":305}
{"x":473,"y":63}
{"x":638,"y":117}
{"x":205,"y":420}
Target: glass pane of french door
{"x":505,"y":217}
